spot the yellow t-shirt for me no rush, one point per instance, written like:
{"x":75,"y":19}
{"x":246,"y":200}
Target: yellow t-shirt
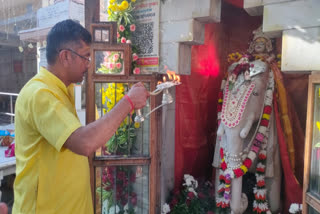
{"x":50,"y":179}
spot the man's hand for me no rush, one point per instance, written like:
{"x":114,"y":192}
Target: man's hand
{"x":139,"y":95}
{"x":3,"y":208}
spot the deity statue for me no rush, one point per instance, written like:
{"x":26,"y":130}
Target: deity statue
{"x":246,"y":136}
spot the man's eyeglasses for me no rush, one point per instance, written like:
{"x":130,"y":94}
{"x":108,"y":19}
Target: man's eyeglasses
{"x":83,"y":57}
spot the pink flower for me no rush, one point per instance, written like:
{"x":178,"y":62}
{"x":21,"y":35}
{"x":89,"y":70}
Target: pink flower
{"x":135,"y":57}
{"x":118,"y":34}
{"x":106,"y":59}
{"x":191,"y":195}
{"x":123,"y":40}
{"x":132,"y":27}
{"x":118,"y":65}
{"x":106,"y":64}
{"x":115,"y":57}
{"x":129,"y":41}
{"x":121,"y":175}
{"x":111,"y":65}
{"x":121,"y":28}
{"x":134,"y":199}
{"x":174,"y":202}
{"x":259,"y":137}
{"x":136,"y":71}
{"x":210,"y":212}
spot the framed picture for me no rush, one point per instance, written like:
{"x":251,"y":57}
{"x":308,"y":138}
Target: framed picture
{"x":104,"y":32}
{"x":111,"y":59}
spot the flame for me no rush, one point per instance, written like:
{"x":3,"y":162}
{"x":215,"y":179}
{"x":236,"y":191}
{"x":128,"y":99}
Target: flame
{"x":172,"y":76}
{"x":159,"y":82}
{"x":164,"y":79}
{"x":178,"y":78}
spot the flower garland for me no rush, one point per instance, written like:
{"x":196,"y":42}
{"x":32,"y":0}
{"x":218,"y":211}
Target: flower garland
{"x":234,"y":57}
{"x":242,"y":66}
{"x":258,"y":148}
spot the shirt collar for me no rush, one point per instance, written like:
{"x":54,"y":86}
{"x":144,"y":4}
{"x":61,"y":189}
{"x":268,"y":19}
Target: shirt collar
{"x":50,"y":78}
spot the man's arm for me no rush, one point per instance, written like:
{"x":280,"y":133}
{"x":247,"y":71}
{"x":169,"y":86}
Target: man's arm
{"x":87,"y":139}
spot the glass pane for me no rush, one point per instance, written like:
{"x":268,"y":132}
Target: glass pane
{"x":312,"y":211}
{"x":97,"y":35}
{"x":109,"y":62}
{"x":105,"y":35}
{"x":131,"y":139}
{"x":101,"y":35}
{"x":122,"y":189}
{"x":314,"y":184}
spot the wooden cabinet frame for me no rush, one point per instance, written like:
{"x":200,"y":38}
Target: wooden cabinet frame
{"x":92,"y":11}
{"x":309,"y":199}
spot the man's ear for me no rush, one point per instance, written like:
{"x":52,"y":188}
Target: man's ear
{"x":64,"y":58}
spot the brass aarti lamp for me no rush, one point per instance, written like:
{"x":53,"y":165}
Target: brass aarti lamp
{"x":167,"y":98}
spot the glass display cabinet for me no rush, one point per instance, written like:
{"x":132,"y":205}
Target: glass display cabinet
{"x":311,"y":186}
{"x":125,"y":170}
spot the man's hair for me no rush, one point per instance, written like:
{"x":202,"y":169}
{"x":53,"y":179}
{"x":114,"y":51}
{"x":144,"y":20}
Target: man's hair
{"x":64,"y":33}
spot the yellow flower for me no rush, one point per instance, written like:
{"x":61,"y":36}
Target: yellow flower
{"x":318,"y":123}
{"x":109,"y":12}
{"x":244,"y":169}
{"x":133,"y":0}
{"x":266,"y":116}
{"x":112,"y":1}
{"x":103,"y":99}
{"x":136,"y":125}
{"x":124,"y":5}
{"x":122,"y":124}
{"x":112,"y":7}
{"x":116,"y":8}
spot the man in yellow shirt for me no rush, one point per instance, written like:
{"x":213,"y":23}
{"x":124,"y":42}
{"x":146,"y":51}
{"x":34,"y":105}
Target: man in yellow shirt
{"x":52,"y":172}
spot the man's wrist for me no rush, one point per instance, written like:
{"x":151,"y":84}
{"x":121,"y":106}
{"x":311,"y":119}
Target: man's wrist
{"x":130,"y":102}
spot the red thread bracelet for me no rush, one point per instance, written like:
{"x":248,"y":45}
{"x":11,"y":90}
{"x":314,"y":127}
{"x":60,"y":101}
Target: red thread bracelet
{"x":130,"y":101}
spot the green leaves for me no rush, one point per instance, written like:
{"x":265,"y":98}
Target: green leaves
{"x":123,"y":141}
{"x":106,"y":195}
